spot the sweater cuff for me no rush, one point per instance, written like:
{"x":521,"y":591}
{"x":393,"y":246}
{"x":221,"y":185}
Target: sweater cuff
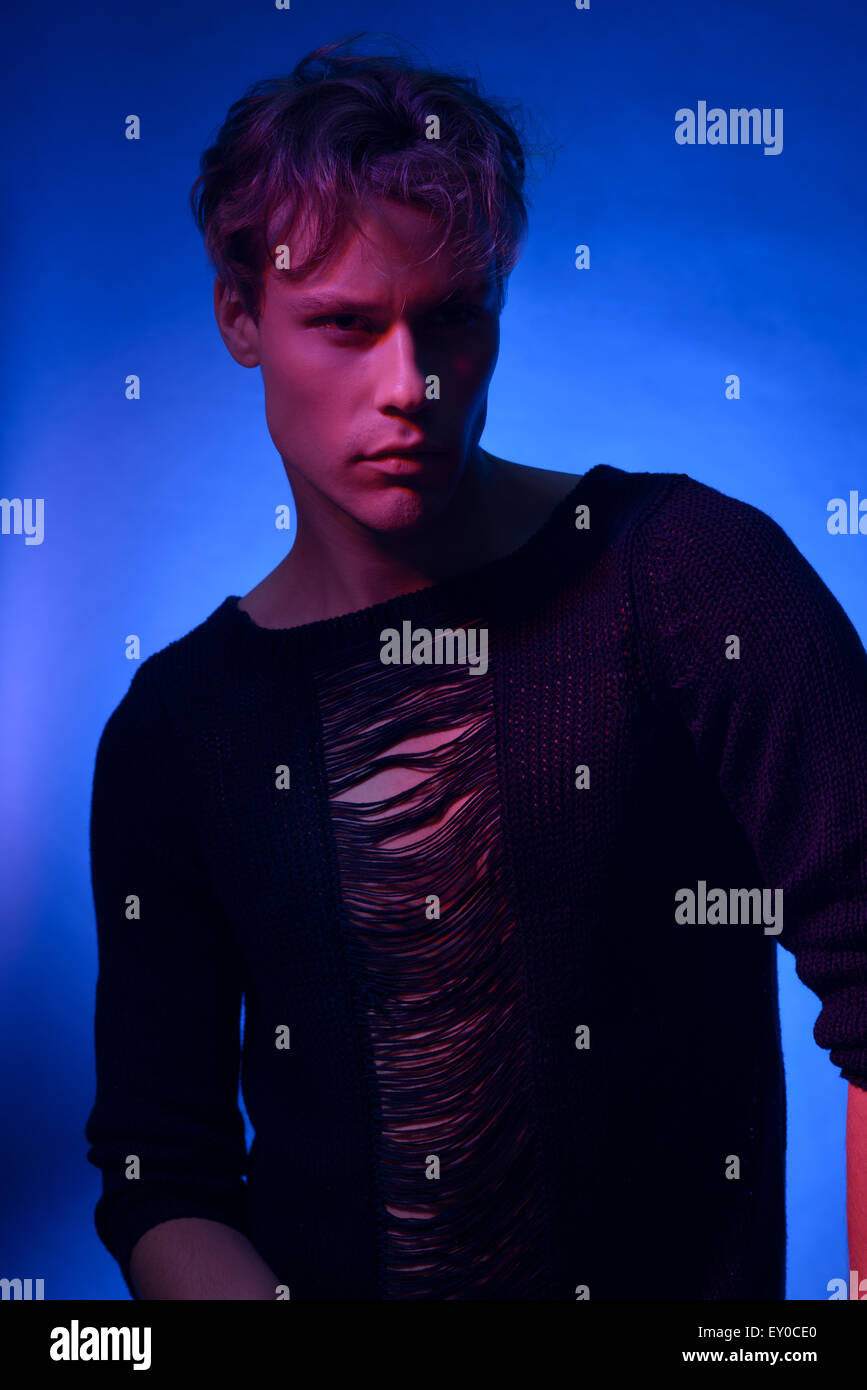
{"x":120,"y":1224}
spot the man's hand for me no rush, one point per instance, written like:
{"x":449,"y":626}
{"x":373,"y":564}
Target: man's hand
{"x":191,"y":1258}
{"x":856,"y":1180}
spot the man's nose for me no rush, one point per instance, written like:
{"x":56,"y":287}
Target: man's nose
{"x":401,"y":378}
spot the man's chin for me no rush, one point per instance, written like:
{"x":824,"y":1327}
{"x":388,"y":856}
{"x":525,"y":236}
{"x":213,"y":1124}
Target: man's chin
{"x":401,"y":508}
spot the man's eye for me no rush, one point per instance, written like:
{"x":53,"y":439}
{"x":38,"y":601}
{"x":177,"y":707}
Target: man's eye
{"x":455,"y":316}
{"x":342,"y":321}
{"x":461,"y":309}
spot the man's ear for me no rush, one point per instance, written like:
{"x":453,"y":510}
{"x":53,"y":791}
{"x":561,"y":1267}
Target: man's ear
{"x":237,"y":329}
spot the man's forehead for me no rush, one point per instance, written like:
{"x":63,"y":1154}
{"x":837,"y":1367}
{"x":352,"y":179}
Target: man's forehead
{"x":391,"y":250}
{"x":329,"y":294}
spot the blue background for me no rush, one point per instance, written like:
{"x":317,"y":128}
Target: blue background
{"x":705,"y":261}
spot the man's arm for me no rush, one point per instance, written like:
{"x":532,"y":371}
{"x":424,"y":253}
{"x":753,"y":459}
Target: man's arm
{"x":783,"y":728}
{"x":192,"y":1258}
{"x":856,"y":1174}
{"x":165,"y":1130}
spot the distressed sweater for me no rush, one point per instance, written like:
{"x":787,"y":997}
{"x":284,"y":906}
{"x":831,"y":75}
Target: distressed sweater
{"x":510,"y":1030}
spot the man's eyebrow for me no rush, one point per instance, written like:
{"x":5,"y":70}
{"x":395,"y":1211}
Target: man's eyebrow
{"x":342,"y":304}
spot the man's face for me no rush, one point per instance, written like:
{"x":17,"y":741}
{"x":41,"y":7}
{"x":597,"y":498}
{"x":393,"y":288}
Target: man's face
{"x":346,"y":361}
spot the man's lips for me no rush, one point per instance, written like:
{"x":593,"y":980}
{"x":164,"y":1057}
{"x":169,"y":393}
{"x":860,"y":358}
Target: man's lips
{"x":404,"y":451}
{"x":403,"y":463}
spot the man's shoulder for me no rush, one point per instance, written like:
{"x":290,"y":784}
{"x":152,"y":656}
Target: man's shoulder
{"x":540,"y":490}
{"x":667,"y":510}
{"x":704,"y":562}
{"x":189,"y":671}
{"x":676,"y":512}
{"x":686,"y":522}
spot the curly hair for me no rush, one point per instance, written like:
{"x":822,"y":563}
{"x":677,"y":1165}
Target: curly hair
{"x":343,"y":128}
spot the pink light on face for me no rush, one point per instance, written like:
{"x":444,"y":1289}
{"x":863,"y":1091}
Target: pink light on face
{"x":347,"y":366}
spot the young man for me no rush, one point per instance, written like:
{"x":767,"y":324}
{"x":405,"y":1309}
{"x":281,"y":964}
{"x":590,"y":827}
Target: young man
{"x":491,"y":801}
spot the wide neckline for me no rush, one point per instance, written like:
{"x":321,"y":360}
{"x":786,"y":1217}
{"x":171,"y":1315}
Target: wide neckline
{"x":356,"y":623}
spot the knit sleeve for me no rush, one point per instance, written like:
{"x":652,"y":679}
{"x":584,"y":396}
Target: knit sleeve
{"x":165,"y":1129}
{"x":783,"y":729}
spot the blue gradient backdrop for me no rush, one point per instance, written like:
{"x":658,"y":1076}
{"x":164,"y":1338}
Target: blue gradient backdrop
{"x":705,"y":261}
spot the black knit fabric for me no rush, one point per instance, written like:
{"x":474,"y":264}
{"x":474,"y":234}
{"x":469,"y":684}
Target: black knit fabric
{"x":482,"y":1056}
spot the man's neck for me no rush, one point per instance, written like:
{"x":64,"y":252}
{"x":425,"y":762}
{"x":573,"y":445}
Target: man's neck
{"x":332,"y":569}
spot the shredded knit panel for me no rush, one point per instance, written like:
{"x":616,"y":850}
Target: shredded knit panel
{"x":441,"y":976}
